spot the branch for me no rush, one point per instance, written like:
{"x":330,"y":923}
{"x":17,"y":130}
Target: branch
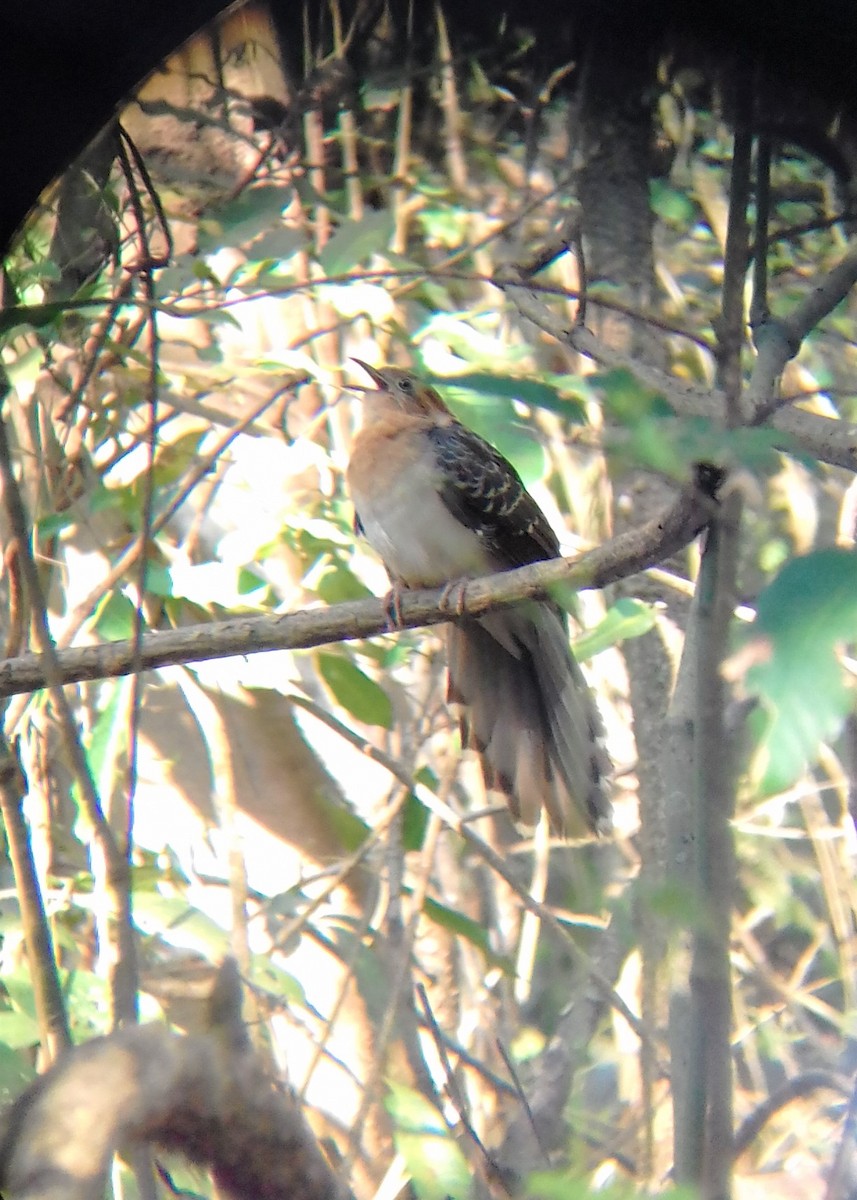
{"x":827,"y":439}
{"x":779,"y":338}
{"x":822,"y":299}
{"x":793,"y":1089}
{"x":624,"y":555}
{"x":208,"y":1096}
{"x":705,"y":1159}
{"x":122,"y":969}
{"x":54,"y":1032}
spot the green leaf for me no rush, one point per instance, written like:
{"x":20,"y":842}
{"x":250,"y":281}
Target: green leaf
{"x":175,"y":458}
{"x":355,"y":691}
{"x":446,"y":227}
{"x":626,"y":399}
{"x":802,"y":618}
{"x":268,"y":975}
{"x":457,"y":922}
{"x":535,"y":393}
{"x":114,"y":617}
{"x":355,"y":241}
{"x":18,"y":1030}
{"x":109,"y":736}
{"x":463,"y":926}
{"x":627,"y":618}
{"x":437,"y":1167}
{"x":19,"y":989}
{"x":24,"y":370}
{"x":180,"y":924}
{"x":671,"y":205}
{"x":54,"y":523}
{"x":247,"y":582}
{"x":338,"y":583}
{"x":279,"y":244}
{"x":347,"y":940}
{"x":87,"y":998}
{"x":561,"y":1185}
{"x":159,"y":580}
{"x":415,"y":816}
{"x":39,"y":315}
{"x":672,"y":446}
{"x":15,"y":1073}
{"x":350,"y":829}
{"x":493,"y":417}
{"x":255,"y":211}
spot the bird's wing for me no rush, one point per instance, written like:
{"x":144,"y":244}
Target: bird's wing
{"x":484,"y":492}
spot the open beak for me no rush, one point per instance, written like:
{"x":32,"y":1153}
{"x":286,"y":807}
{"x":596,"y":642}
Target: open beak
{"x":374,"y":375}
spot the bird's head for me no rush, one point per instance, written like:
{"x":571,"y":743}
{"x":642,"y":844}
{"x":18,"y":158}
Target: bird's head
{"x":403,"y":390}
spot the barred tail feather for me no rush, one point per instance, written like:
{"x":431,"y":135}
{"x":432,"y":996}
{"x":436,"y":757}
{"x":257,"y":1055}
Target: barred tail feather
{"x":529,"y":713}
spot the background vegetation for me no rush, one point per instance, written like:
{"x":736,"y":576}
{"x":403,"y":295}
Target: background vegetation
{"x":575,"y":250}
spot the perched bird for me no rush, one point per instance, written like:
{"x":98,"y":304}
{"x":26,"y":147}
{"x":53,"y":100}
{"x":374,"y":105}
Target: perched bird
{"x":439,"y":504}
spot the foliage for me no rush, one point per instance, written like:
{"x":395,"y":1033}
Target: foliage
{"x":804,"y":617}
{"x":179,"y":437}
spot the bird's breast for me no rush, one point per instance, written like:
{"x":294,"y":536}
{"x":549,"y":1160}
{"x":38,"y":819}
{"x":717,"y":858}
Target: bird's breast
{"x":408,"y":525}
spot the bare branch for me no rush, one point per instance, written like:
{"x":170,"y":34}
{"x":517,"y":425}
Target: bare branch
{"x":208,"y":1096}
{"x":823,"y":298}
{"x":123,"y":973}
{"x":793,"y":1089}
{"x":830,"y":441}
{"x":55,"y":1035}
{"x":625,"y":555}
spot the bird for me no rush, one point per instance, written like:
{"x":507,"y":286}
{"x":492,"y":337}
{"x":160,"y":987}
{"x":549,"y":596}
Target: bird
{"x":440,"y":505}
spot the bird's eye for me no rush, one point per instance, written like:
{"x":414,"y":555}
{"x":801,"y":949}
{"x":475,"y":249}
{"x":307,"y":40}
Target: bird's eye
{"x":406,"y":385}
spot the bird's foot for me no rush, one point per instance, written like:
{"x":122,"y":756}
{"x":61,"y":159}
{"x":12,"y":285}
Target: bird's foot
{"x":453,"y":598}
{"x":393,"y":607}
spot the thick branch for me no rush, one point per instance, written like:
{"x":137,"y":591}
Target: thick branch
{"x":707,"y":1160}
{"x":623,"y":556}
{"x":208,"y":1096}
{"x":779,"y":339}
{"x":826,"y":439}
{"x":823,"y":298}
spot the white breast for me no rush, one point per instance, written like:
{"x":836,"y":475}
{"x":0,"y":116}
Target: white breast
{"x":412,"y":530}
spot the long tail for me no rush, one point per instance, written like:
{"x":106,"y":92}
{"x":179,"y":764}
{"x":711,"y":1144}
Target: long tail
{"x":529,"y":713}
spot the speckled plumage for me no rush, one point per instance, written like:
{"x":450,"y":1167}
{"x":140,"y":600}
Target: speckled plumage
{"x":439,"y":504}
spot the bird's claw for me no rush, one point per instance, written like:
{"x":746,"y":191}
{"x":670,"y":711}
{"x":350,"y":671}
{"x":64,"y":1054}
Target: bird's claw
{"x":453,"y":598}
{"x":393,"y":608}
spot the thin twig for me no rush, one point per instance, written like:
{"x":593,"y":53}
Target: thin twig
{"x":794,"y":1089}
{"x":486,"y":852}
{"x":398,"y":997}
{"x":346,"y":990}
{"x":116,"y":866}
{"x":51,"y":1015}
{"x":485,"y":1163}
{"x":522,"y":1098}
{"x":840,"y":1184}
{"x":226,"y":806}
{"x":495,"y":861}
{"x":759,"y":308}
{"x":830,"y":441}
{"x":128,"y":558}
{"x":456,"y":160}
{"x":126,"y":149}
